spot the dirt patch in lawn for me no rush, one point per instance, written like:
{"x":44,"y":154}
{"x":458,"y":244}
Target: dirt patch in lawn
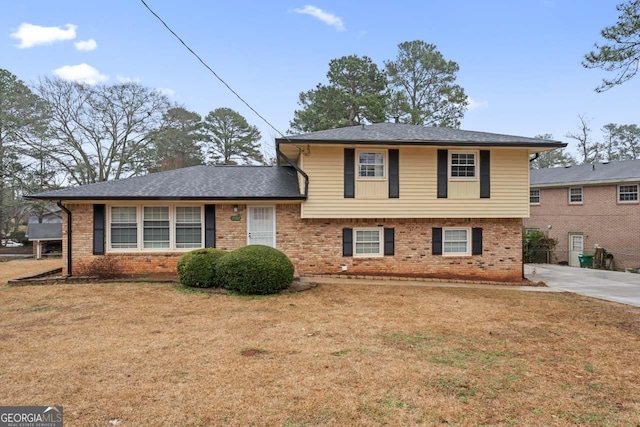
{"x":17,"y":268}
{"x":146,"y":354}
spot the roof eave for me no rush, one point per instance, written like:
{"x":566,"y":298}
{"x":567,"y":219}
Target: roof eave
{"x":586,"y":183}
{"x":422,"y":143}
{"x":167,"y":198}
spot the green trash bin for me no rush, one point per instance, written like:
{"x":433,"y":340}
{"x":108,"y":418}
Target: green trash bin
{"x":585,"y":260}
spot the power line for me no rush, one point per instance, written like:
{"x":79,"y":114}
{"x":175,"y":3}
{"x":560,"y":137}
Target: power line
{"x":210,"y":69}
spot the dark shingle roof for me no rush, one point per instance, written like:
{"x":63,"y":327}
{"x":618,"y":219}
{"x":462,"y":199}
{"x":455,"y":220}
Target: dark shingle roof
{"x":398,"y":133}
{"x":617,"y":171}
{"x":193,"y":183}
{"x":45,"y":231}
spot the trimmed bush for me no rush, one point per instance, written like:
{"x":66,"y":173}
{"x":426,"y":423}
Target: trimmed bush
{"x":199,"y":268}
{"x":255,"y":270}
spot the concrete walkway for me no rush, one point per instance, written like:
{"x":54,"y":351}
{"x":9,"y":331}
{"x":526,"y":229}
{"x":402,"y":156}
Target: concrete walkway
{"x":607,"y":285}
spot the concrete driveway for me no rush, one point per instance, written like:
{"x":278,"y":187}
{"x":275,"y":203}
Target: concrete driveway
{"x":607,"y":285}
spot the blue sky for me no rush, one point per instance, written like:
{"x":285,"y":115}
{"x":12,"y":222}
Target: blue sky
{"x":520,"y":61}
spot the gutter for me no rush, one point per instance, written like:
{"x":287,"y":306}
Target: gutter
{"x":69,"y":235}
{"x":280,"y":154}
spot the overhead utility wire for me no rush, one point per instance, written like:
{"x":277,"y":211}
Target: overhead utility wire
{"x":210,"y":69}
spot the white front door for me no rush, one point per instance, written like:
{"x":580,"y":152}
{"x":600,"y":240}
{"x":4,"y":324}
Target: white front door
{"x":261,"y":225}
{"x":576,"y":247}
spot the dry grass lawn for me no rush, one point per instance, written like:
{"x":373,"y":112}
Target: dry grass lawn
{"x":16,"y":268}
{"x":151,"y":355}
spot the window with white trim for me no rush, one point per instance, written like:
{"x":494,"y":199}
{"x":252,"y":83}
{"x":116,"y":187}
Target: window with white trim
{"x":371,"y":164}
{"x":367,"y":242}
{"x":188,"y":227}
{"x":156,"y":227}
{"x":164,"y":228}
{"x":124,"y":227}
{"x":462,"y":165}
{"x":628,"y":193}
{"x":575,"y":195}
{"x":456,"y":241}
{"x":534,"y":196}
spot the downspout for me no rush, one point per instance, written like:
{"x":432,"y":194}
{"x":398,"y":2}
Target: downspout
{"x":535,"y":156}
{"x":293,"y":165}
{"x":68,"y":212}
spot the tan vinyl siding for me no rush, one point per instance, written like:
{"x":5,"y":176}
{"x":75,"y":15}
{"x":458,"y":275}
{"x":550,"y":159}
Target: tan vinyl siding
{"x":372,"y":189}
{"x":464,"y":189}
{"x":509,"y":188}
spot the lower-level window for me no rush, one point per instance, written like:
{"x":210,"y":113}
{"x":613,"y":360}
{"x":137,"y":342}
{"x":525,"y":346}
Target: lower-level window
{"x":155,"y":227}
{"x":367,"y":242}
{"x":455,"y":241}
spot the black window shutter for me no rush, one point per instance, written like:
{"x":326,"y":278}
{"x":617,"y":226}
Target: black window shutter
{"x":485,"y":174}
{"x":347,"y":242}
{"x":437,"y":241}
{"x":98,"y":229}
{"x":349,"y":173}
{"x":443,"y":159}
{"x":476,"y":245}
{"x":394,"y":174}
{"x":209,"y":226}
{"x":389,"y":244}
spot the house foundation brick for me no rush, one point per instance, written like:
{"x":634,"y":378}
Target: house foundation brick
{"x":315,"y":246}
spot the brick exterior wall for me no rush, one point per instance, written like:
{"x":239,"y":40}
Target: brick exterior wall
{"x":315,"y":246}
{"x":600,"y":218}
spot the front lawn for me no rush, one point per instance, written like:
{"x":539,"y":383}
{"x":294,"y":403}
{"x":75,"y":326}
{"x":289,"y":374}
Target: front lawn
{"x":148,"y":354}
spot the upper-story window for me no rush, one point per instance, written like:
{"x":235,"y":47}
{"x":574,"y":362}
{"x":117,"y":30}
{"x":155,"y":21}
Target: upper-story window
{"x":534,"y":196}
{"x":371,"y":164}
{"x":575,"y":195}
{"x":628,"y":193}
{"x":463,"y":164}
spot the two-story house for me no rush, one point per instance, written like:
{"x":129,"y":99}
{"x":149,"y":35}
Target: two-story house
{"x":587,"y":206}
{"x":382,"y":199}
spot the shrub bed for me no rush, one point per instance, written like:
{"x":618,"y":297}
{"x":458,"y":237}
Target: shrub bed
{"x":255,"y":270}
{"x":199,"y":268}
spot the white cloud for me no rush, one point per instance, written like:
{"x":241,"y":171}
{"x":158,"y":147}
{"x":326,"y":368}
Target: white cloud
{"x":81,"y":73}
{"x":166,"y":91}
{"x":86,"y":45}
{"x":326,"y":17}
{"x":476,"y":105}
{"x":123,"y":79}
{"x":34,"y":35}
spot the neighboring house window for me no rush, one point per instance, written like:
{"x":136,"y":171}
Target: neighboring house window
{"x":367,"y":242}
{"x":462,"y":165}
{"x":628,"y":193}
{"x":371,"y":164}
{"x":575,"y":195}
{"x":534,"y":197}
{"x":124,"y":228}
{"x":455,"y":241}
{"x":156,"y":227}
{"x":188,"y":227}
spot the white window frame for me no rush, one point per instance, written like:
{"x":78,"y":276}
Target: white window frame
{"x":538,"y":196}
{"x":629,"y":185}
{"x":380,"y":252}
{"x":571,"y":202}
{"x":468,"y":241}
{"x":140,"y":227}
{"x":476,"y":165}
{"x":384,"y":164}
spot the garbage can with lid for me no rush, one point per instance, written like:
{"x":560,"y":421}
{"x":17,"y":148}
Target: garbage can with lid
{"x":585,"y":260}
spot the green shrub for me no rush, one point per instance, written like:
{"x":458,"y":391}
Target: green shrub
{"x":199,"y":268}
{"x":255,"y":270}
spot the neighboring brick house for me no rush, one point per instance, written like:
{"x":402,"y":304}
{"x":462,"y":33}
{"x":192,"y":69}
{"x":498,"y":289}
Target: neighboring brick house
{"x":382,"y":199}
{"x":588,"y":205}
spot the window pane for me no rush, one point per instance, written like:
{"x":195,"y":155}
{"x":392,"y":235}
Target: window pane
{"x":628,"y":193}
{"x":371,"y":165}
{"x":575,"y":195}
{"x":124,"y":228}
{"x":463,"y":165}
{"x":156,"y":227}
{"x":455,"y":241}
{"x":534,"y":196}
{"x":367,"y":242}
{"x":188,"y":227}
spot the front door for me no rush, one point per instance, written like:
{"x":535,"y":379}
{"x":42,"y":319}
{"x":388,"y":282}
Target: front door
{"x":261,"y":226}
{"x":576,"y":246}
